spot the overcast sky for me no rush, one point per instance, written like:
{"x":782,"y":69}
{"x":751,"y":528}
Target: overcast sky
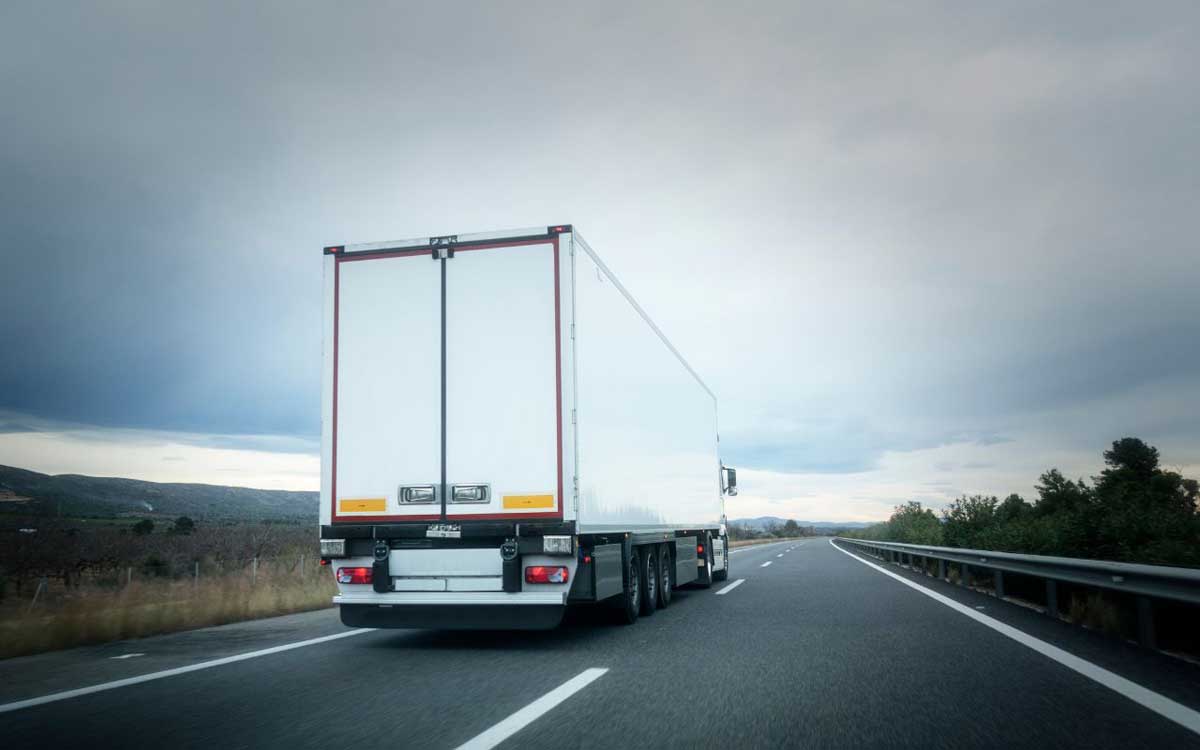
{"x":917,"y":249}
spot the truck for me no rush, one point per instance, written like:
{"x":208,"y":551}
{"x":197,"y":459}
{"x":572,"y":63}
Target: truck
{"x":505,"y":434}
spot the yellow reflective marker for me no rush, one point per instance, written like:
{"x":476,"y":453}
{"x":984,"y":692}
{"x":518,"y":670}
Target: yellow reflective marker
{"x":362,"y":505}
{"x":529,"y":501}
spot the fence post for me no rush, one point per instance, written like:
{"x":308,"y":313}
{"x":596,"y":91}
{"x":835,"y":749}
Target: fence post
{"x":129,"y":576}
{"x":1052,"y":597}
{"x":40,"y":587}
{"x":998,"y":580}
{"x":302,"y":567}
{"x":254,"y":571}
{"x":196,"y":575}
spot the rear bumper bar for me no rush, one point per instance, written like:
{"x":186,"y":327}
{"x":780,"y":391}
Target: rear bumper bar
{"x":454,"y":611}
{"x":454,"y":599}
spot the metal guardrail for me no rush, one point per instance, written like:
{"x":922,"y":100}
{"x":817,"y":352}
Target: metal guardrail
{"x":1144,"y":582}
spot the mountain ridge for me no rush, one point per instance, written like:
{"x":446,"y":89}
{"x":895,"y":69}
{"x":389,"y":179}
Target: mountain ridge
{"x":26,"y":492}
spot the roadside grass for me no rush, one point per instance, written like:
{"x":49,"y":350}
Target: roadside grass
{"x":99,"y":614}
{"x":1096,"y":612}
{"x":752,"y":542}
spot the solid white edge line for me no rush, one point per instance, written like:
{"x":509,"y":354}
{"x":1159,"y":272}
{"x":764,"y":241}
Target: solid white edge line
{"x":731,"y":586}
{"x":768,"y":562}
{"x":526,"y":716}
{"x":66,"y":694}
{"x":1159,"y":704}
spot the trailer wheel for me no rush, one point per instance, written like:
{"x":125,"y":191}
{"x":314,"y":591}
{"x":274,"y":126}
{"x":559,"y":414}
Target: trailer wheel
{"x":666,"y":576}
{"x":648,"y":570}
{"x":630,"y":600}
{"x":705,"y":579}
{"x":723,"y":575}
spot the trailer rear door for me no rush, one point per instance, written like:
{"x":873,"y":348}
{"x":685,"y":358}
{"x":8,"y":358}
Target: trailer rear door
{"x":387,"y":379}
{"x":502,"y":425}
{"x":475,"y":333}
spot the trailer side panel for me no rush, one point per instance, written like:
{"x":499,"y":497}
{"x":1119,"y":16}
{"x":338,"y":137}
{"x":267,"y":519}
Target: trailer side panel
{"x":647,"y":442}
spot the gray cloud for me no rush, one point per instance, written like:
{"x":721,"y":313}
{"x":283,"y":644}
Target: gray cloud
{"x":874,"y":229}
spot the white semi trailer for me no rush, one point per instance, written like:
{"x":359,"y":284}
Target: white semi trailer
{"x":506,"y":433}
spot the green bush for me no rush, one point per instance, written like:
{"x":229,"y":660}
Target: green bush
{"x":1133,"y":512}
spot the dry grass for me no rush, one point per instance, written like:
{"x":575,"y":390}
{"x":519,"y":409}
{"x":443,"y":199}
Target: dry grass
{"x":1096,"y":612}
{"x":97,"y":614}
{"x":752,"y":542}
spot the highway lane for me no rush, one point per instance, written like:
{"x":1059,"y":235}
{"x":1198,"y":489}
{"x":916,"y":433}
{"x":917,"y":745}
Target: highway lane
{"x":814,"y":650}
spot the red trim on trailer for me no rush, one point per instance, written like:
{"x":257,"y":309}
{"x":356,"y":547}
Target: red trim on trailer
{"x":337,"y":285}
{"x":338,"y":260}
{"x":558,"y":377}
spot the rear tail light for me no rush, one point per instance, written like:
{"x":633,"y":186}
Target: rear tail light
{"x":353,"y":575}
{"x":546,"y":574}
{"x":699,"y":549}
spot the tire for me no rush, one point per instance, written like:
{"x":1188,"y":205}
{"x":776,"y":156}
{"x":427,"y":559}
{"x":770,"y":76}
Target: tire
{"x":666,"y":575}
{"x":629,"y":603}
{"x":705,"y":579}
{"x":648,"y":572}
{"x":723,"y":575}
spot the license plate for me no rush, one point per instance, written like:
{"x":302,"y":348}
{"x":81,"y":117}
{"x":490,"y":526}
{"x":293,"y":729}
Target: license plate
{"x":444,"y":531}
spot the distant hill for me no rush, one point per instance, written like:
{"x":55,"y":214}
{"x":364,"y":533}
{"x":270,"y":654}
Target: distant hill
{"x":25,"y":492}
{"x":761,"y":522}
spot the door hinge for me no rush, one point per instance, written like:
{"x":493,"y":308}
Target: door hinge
{"x":443,"y":247}
{"x":573,"y":417}
{"x":572,"y":330}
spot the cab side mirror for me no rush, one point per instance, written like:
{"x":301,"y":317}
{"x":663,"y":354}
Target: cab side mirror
{"x":730,"y":481}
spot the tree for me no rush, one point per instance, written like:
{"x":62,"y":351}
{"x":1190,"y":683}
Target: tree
{"x":967,"y":517}
{"x":1057,"y":493}
{"x":1130,"y":459}
{"x":183,"y":526}
{"x":1012,"y":509}
{"x":791,"y":528}
{"x":913,"y":524}
{"x":1143,"y":513}
{"x":143,"y":527}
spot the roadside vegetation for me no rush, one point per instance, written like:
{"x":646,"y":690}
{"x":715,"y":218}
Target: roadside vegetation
{"x":71,"y":582}
{"x":789,"y":529}
{"x":1133,"y":511}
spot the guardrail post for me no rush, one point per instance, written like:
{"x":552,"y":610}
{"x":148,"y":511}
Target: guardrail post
{"x":1145,"y":610}
{"x":998,"y":579}
{"x":942,"y":569}
{"x":964,"y":575}
{"x":1052,"y":598}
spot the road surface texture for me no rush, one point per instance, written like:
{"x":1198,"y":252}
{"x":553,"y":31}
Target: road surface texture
{"x":817,"y":649}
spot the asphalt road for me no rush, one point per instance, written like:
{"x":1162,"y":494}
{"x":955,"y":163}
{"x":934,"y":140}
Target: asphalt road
{"x":816,"y":649}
